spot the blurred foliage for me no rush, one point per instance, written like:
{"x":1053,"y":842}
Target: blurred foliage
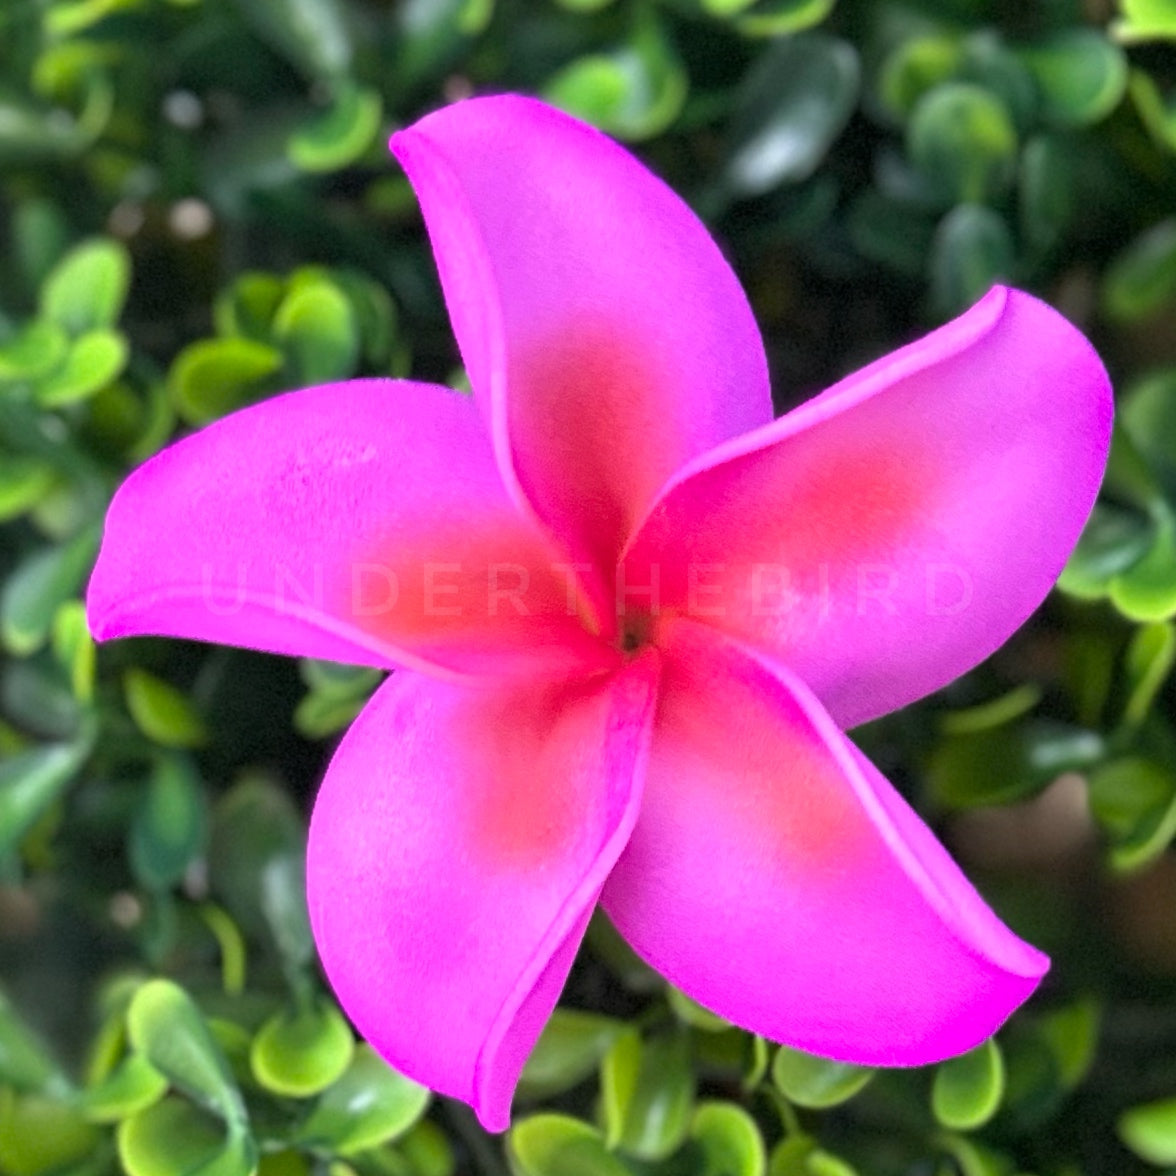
{"x":197,"y":210}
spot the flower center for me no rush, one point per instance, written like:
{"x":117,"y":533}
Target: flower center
{"x":636,"y":631}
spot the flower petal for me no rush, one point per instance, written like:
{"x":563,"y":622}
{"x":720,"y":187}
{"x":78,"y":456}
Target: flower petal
{"x":457,"y":848}
{"x":780,"y":881}
{"x":886,"y":536}
{"x":604,"y":332}
{"x":362,"y":522}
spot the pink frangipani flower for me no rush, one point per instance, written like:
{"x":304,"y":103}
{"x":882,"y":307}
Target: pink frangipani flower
{"x":630,"y":616}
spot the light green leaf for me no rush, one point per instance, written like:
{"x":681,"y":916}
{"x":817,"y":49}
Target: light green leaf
{"x":133,"y":1087}
{"x":34,"y":351}
{"x":1081,"y":75}
{"x":24,"y":1062}
{"x":162,"y":712}
{"x":558,"y":1145}
{"x":730,"y":1141}
{"x":810,"y":1081}
{"x":24,"y":481}
{"x":38,"y":587}
{"x":570,"y":1048}
{"x":214,"y":376}
{"x":1134,"y":800}
{"x":94,"y":361}
{"x":369,"y":1105}
{"x":298,"y":1053}
{"x":30,"y":783}
{"x":87,"y":289}
{"x":316,"y":327}
{"x":40,"y":1135}
{"x":1150,"y":1131}
{"x":174,"y":1138}
{"x":967,"y":1090}
{"x":342,"y":134}
{"x":167,"y":1028}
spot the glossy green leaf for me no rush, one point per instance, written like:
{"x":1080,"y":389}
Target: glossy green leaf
{"x":428,"y":1150}
{"x":162,"y":712}
{"x":1112,"y":541}
{"x":570,"y":1048}
{"x":319,"y":715}
{"x":342,"y":134}
{"x":87,"y":289}
{"x":1150,"y":1131}
{"x":167,"y":1028}
{"x":317,"y":329}
{"x":790,"y":109}
{"x":30,"y":783}
{"x":987,"y":715}
{"x":214,"y":376}
{"x":729,"y":1140}
{"x":170,"y":828}
{"x":1082,"y":76}
{"x":967,"y":1090}
{"x":1134,"y":800}
{"x":648,"y":1094}
{"x":1148,"y":417}
{"x":975,"y":1159}
{"x":248,"y":306}
{"x":34,"y":351}
{"x":38,"y":587}
{"x":810,"y":1081}
{"x":370,"y":1104}
{"x":174,"y":1138}
{"x":961,"y":137}
{"x":557,"y":1145}
{"x":1146,"y":591}
{"x":40,"y":1135}
{"x":301,"y":1052}
{"x":133,"y":1087}
{"x":1142,"y":279}
{"x":973,"y":250}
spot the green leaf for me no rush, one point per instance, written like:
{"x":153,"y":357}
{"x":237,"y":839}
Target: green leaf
{"x":316,"y":327}
{"x":570,"y":1048}
{"x":301,"y":1052}
{"x":133,"y":1087}
{"x":914,"y":66}
{"x":319,"y":715}
{"x":776,"y":18}
{"x":212,"y":377}
{"x":634,"y":92}
{"x":87,"y":289}
{"x":1150,"y":1131}
{"x":167,"y":1028}
{"x":1145,"y":20}
{"x":248,"y":306}
{"x":1011,"y":705}
{"x":1150,"y":658}
{"x":557,"y":1145}
{"x":790,"y":109}
{"x":1142,"y":279}
{"x":1081,"y":75}
{"x":1047,"y":190}
{"x":730,"y":1141}
{"x":1146,"y":591}
{"x":1155,"y":111}
{"x":967,"y":1090}
{"x":973,"y":250}
{"x":162,"y":712}
{"x":174,"y":1138}
{"x":170,"y":828}
{"x":313,"y":35}
{"x":66,"y":19}
{"x":40,"y":1135}
{"x":30,"y":783}
{"x":24,"y":481}
{"x":1134,"y":800}
{"x":1072,"y":1035}
{"x":369,"y":1105}
{"x":810,"y":1081}
{"x":690,"y":1012}
{"x":94,"y":361}
{"x":342,"y":134}
{"x":24,"y":1062}
{"x":961,"y":137}
{"x":38,"y":587}
{"x":34,"y":351}
{"x":648,"y":1094}
{"x":1112,"y":541}
{"x":73,"y":647}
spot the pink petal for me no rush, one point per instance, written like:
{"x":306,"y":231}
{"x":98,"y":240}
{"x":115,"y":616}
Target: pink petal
{"x":778,"y":879}
{"x":604,"y":333}
{"x":362,"y":522}
{"x":891,"y":533}
{"x":457,"y":848}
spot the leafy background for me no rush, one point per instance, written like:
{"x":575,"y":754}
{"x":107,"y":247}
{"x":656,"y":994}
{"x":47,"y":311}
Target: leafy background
{"x":197,"y":210}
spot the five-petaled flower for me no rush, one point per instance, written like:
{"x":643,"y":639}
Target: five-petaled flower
{"x":630,"y":616}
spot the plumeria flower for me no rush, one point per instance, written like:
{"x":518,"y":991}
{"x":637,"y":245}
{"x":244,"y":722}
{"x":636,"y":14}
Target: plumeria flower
{"x":630,"y":616}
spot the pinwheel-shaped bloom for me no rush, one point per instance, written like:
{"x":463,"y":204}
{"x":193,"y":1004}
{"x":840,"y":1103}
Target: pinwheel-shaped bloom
{"x":630,"y":616}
